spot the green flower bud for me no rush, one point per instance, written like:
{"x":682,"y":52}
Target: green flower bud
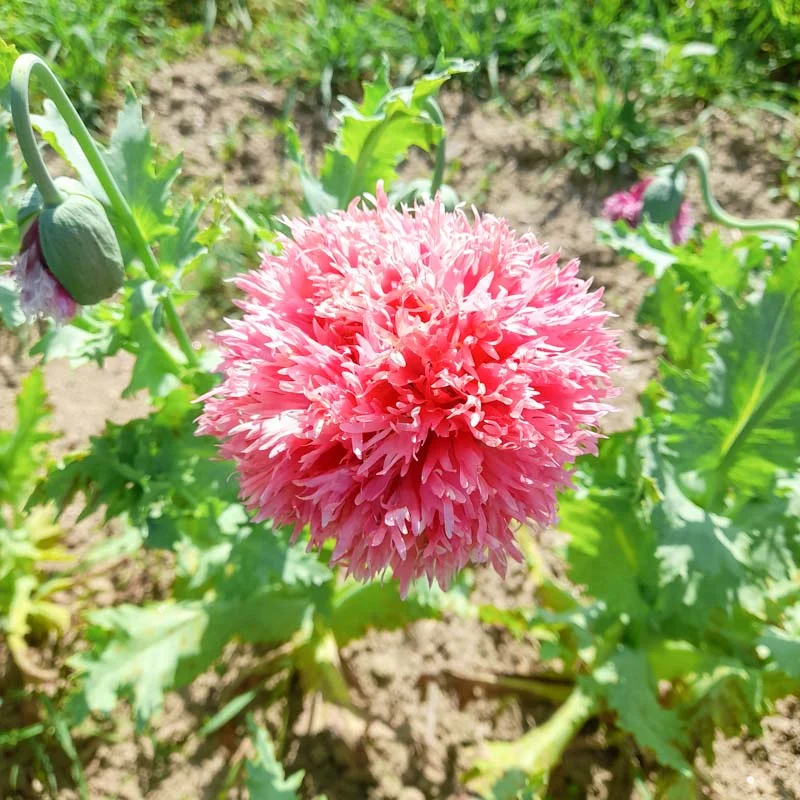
{"x":81,"y":249}
{"x":663,"y":196}
{"x":69,"y":254}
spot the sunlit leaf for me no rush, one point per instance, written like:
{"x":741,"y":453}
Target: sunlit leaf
{"x":22,"y":446}
{"x":266,"y":779}
{"x":8,"y":55}
{"x":143,"y":650}
{"x":627,"y":683}
{"x":737,"y":425}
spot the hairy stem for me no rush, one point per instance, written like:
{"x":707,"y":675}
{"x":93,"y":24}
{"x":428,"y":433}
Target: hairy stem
{"x":27,"y":66}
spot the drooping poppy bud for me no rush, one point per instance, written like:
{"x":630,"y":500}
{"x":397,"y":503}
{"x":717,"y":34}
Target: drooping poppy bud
{"x":659,"y":198}
{"x":663,"y":196}
{"x":69,"y":255}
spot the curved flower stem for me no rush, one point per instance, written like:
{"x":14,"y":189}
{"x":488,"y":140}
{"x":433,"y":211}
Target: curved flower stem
{"x":20,"y":114}
{"x":27,"y":66}
{"x":716,"y":211}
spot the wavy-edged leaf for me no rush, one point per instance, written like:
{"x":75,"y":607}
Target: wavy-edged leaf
{"x":611,"y":551}
{"x":8,"y":55}
{"x":680,"y":320}
{"x":627,"y":683}
{"x":373,"y":137}
{"x":141,"y":650}
{"x":737,"y":425}
{"x":22,"y":448}
{"x":266,"y":779}
{"x":145,"y":184}
{"x":11,"y":315}
{"x":359,"y":607}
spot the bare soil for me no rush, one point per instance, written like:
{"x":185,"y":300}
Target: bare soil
{"x":418,"y":725}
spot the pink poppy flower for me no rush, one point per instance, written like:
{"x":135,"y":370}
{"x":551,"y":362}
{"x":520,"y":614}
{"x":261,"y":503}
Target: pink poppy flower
{"x":409,"y":384}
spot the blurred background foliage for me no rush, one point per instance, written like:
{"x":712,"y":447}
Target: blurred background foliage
{"x":684,"y":51}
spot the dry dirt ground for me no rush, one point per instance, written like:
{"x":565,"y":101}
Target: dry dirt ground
{"x":418,"y":729}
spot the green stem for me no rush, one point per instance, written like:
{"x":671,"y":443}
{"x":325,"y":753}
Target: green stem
{"x":20,"y":114}
{"x":27,"y":66}
{"x":716,"y":211}
{"x":441,"y":154}
{"x":536,"y":753}
{"x":559,"y":730}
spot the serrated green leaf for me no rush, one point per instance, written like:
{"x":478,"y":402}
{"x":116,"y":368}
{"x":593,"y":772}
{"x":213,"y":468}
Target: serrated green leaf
{"x":8,"y":55}
{"x":10,"y":170}
{"x":91,"y":337}
{"x":22,"y":448}
{"x":146,"y":186}
{"x":268,"y":554}
{"x":180,"y":249}
{"x":648,"y":245}
{"x":148,"y":467}
{"x":11,"y":314}
{"x":723,"y":699}
{"x":736,"y":426}
{"x":266,"y":779}
{"x":723,"y":266}
{"x":144,"y":646}
{"x":143,"y":651}
{"x":710,"y":561}
{"x":610,"y":551}
{"x":680,"y":320}
{"x":158,"y":365}
{"x":373,"y":137}
{"x":55,"y":132}
{"x":627,"y":684}
{"x":701,"y":555}
{"x":359,"y":607}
